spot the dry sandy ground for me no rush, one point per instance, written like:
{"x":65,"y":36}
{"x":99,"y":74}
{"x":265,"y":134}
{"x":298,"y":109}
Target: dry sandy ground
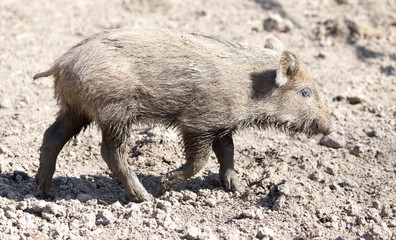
{"x":296,"y":188}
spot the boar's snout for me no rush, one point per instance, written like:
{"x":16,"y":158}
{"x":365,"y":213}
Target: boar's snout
{"x":327,"y":128}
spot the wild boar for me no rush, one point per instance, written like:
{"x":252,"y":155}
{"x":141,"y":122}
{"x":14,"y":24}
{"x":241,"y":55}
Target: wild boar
{"x":205,"y":88}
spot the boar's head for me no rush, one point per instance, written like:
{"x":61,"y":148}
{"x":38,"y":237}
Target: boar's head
{"x":292,"y":102}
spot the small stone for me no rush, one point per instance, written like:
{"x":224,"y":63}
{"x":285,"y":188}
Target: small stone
{"x":334,"y":140}
{"x":211,"y":202}
{"x":388,"y":70}
{"x":279,"y":203}
{"x":11,"y":195}
{"x":331,"y":169}
{"x":380,"y":155}
{"x":168,"y":223}
{"x":52,"y":210}
{"x":164,"y":205}
{"x":3,"y":150}
{"x":317,"y":176}
{"x":193,"y":233}
{"x":207,"y":234}
{"x":392,"y":223}
{"x":352,"y":210}
{"x":378,"y":231}
{"x":264,"y":232}
{"x":83,"y":197}
{"x":150,"y":222}
{"x":385,"y":211}
{"x":348,"y":183}
{"x":104,"y":217}
{"x":372,"y":133}
{"x":188,"y":195}
{"x":376,"y":204}
{"x":116,"y":206}
{"x":5,"y":103}
{"x":357,"y":151}
{"x":373,"y":214}
{"x":354,"y":100}
{"x":10,"y":214}
{"x":72,"y":154}
{"x":276,"y":23}
{"x":248,"y":213}
{"x":55,"y":209}
{"x":361,"y":220}
{"x":22,"y":205}
{"x":38,"y":206}
{"x":338,"y":98}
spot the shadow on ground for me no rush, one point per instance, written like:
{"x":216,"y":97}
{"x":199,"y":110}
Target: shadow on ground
{"x":19,"y":186}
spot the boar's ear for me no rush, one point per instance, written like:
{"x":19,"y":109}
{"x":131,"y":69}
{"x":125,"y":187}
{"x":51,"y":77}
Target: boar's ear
{"x":288,"y":67}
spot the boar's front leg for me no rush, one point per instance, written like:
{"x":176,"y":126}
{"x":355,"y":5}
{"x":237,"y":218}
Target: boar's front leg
{"x":224,"y":150}
{"x":113,"y":152}
{"x":197,"y":149}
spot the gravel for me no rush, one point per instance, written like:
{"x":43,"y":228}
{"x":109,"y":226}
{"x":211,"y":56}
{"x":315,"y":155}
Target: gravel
{"x":341,"y":186}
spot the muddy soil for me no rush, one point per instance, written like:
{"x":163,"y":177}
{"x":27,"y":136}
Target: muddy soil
{"x":339,"y":187}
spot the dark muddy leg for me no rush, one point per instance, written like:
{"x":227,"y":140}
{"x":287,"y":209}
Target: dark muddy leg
{"x":197,"y":150}
{"x":224,"y":150}
{"x":113,"y":152}
{"x":55,"y":137}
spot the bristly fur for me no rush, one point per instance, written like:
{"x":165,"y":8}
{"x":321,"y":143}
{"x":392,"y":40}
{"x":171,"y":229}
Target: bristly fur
{"x":205,"y":88}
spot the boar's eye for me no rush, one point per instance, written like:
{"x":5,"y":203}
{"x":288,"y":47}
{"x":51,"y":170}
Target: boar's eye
{"x":306,"y":92}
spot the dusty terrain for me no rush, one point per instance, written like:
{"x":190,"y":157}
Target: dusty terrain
{"x":296,"y":188}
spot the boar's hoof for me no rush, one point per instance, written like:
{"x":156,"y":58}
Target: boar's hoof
{"x":45,"y":186}
{"x":229,"y":180}
{"x":143,"y":197}
{"x":169,"y":181}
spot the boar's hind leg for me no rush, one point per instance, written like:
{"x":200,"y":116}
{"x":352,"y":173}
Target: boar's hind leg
{"x":197,"y":149}
{"x":113,"y":152}
{"x":224,"y":150}
{"x":55,"y":137}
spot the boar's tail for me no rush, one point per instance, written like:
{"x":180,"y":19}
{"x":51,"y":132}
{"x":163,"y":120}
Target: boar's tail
{"x":47,"y":73}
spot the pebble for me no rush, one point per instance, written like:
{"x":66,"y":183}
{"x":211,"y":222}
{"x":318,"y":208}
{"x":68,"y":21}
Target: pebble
{"x":211,"y":202}
{"x":354,"y":100}
{"x":188,"y":195}
{"x":5,"y":103}
{"x":317,"y":176}
{"x":248,"y":213}
{"x":372,"y":133}
{"x":334,"y":140}
{"x":276,"y":23}
{"x":38,"y":206}
{"x":379,"y":232}
{"x":385,"y":211}
{"x":373,"y":214}
{"x":164,"y":205}
{"x":168,"y":223}
{"x":279,"y":203}
{"x":104,"y":217}
{"x":83,"y":197}
{"x":357,"y":151}
{"x":331,"y":169}
{"x":352,"y":210}
{"x":265,"y":233}
{"x":12,"y":195}
{"x":193,"y":233}
{"x":392,"y":223}
{"x":52,"y":210}
{"x":3,"y":150}
{"x":116,"y":206}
